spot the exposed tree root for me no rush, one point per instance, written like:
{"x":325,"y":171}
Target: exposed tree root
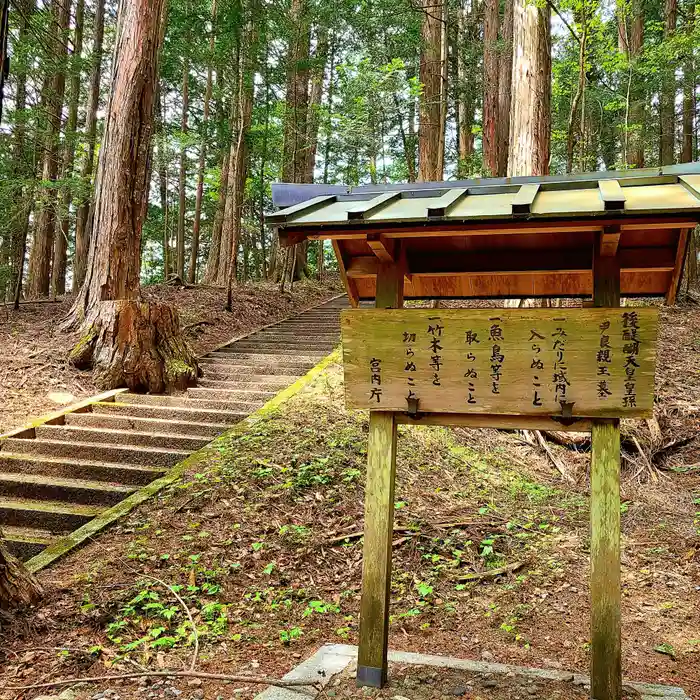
{"x":137,"y":345}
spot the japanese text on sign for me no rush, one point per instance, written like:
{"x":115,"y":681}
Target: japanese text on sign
{"x":580,"y":362}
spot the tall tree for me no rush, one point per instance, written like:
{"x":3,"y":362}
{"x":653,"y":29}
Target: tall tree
{"x":82,"y":223}
{"x":689,"y":78}
{"x":530,"y":127}
{"x":53,"y":91}
{"x":129,"y":342}
{"x":505,"y":78}
{"x":22,"y":170}
{"x":667,"y":103}
{"x":630,"y":15}
{"x":58,"y":272}
{"x":233,"y":224}
{"x":295,"y":162}
{"x":491,"y":92}
{"x":430,"y":126}
{"x":182,"y":181}
{"x":199,"y":197}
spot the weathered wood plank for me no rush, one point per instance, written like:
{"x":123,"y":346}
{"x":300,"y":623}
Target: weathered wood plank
{"x":350,"y":287}
{"x":376,"y":556}
{"x":606,"y":647}
{"x":681,"y":252}
{"x":466,"y":420}
{"x":382,"y":247}
{"x":502,"y":361}
{"x":606,"y":637}
{"x":379,"y":512}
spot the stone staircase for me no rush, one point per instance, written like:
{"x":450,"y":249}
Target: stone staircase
{"x":63,"y":475}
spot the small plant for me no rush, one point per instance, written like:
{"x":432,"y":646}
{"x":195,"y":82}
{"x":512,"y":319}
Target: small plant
{"x":667,"y":649}
{"x":319,"y":607}
{"x":289,"y":635}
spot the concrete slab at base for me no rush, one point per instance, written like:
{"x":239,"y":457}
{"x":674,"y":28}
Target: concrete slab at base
{"x":331,"y":659}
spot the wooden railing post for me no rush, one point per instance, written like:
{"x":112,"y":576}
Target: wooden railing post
{"x":606,"y":638}
{"x":379,"y":514}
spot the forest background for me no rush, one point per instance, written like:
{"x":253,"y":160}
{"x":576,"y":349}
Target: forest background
{"x":256,"y":91}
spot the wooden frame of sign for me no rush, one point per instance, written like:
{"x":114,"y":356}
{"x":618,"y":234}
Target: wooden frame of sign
{"x":592,"y":404}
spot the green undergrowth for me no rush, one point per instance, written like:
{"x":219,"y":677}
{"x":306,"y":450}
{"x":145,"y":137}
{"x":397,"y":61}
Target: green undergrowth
{"x":253,"y":542}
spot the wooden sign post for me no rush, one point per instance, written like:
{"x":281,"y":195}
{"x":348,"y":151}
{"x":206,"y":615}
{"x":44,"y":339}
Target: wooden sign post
{"x":568,"y":368}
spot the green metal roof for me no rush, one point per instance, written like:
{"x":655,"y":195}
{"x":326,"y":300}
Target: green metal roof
{"x":671,"y":191}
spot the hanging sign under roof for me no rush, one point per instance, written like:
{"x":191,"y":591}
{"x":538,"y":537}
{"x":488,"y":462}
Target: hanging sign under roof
{"x":567,"y":362}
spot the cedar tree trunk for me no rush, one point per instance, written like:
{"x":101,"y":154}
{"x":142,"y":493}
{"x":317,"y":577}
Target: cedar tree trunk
{"x":82,"y":227}
{"x":530,"y":125}
{"x":126,"y":341}
{"x":430,"y":100}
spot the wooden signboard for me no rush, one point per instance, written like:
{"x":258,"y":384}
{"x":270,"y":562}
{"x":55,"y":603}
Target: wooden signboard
{"x":577,"y":362}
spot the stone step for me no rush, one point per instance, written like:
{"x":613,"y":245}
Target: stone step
{"x":155,"y":400}
{"x":79,"y":434}
{"x":79,"y":469}
{"x":330,"y":327}
{"x":189,"y":413}
{"x":223,"y":380}
{"x":146,"y":425}
{"x":292,"y":332}
{"x":51,"y":488}
{"x":223,"y":394}
{"x":300,"y":346}
{"x":52,"y":516}
{"x":224,"y":365}
{"x":26,"y":542}
{"x":268,"y":355}
{"x":292,"y":338}
{"x":98,"y":452}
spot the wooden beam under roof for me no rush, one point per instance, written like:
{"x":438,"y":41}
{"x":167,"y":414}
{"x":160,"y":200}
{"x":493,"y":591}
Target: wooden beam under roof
{"x":681,"y":252}
{"x":384,"y":248}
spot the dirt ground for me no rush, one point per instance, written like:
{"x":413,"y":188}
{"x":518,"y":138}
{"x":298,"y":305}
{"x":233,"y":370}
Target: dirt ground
{"x":35,"y":377}
{"x":262,"y":543}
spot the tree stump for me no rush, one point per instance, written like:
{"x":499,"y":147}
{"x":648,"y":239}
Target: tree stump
{"x":137,"y":345}
{"x":18,"y":587}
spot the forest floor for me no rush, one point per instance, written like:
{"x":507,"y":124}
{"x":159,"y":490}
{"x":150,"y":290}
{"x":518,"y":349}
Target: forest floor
{"x":262,"y":541}
{"x":35,"y":377}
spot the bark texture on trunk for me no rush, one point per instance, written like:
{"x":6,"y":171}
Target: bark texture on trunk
{"x":491,"y":88}
{"x":637,"y":108}
{"x":294,"y":158}
{"x":139,"y":346}
{"x":18,"y":588}
{"x":505,"y":79}
{"x":429,"y":140}
{"x":667,"y":102}
{"x":21,"y":170}
{"x":466,"y":88}
{"x":315,"y":99}
{"x":128,"y":342}
{"x":58,"y":273}
{"x":530,"y":126}
{"x":689,"y":77}
{"x":182,"y":182}
{"x":238,"y":166}
{"x":54,"y":89}
{"x":82,"y":227}
{"x":199,"y":198}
